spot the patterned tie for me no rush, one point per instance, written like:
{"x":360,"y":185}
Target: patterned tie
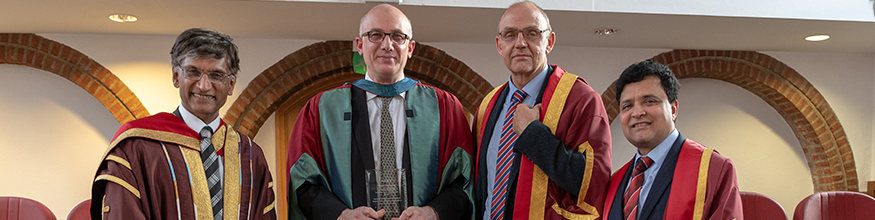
{"x":630,"y":210}
{"x":388,"y":175}
{"x":505,"y":158}
{"x":211,"y":168}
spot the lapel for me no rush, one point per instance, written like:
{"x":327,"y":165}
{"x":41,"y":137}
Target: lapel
{"x":405,"y":162}
{"x":362,"y":157}
{"x":616,"y":209}
{"x":482,"y":185}
{"x":361,"y":132}
{"x":544,"y":85}
{"x":658,"y":194}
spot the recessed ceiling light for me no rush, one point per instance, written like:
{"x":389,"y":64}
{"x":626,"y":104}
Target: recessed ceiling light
{"x":123,"y":18}
{"x":605,"y":31}
{"x":818,"y":37}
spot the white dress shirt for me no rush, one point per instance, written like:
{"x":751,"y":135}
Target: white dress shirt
{"x":658,"y":155}
{"x":532,"y":89}
{"x":196,"y":124}
{"x":399,"y":123}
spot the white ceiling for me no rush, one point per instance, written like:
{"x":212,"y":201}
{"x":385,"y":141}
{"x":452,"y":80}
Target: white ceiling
{"x":339,"y":21}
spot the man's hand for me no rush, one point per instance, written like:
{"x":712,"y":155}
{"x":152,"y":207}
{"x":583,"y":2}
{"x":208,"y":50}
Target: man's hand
{"x":362,"y":212}
{"x":418,"y":213}
{"x":524,"y":116}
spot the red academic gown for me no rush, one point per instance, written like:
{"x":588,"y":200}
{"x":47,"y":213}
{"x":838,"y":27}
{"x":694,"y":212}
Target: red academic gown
{"x":702,"y":186}
{"x":544,"y":182}
{"x":153,"y":170}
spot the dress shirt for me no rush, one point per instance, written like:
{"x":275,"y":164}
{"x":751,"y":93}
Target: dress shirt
{"x":196,"y":124}
{"x":532,"y":89}
{"x":658,"y":155}
{"x":399,"y":123}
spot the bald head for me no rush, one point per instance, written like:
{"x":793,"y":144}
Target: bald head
{"x":383,"y":14}
{"x":385,"y":43}
{"x":525,"y":7}
{"x":525,"y":56}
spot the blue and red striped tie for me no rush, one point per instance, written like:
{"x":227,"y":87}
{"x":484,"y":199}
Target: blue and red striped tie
{"x":505,"y":158}
{"x":630,"y":210}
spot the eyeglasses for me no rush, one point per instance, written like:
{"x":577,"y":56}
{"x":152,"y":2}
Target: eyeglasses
{"x":215,"y":77}
{"x":377,"y":37}
{"x":530,"y":34}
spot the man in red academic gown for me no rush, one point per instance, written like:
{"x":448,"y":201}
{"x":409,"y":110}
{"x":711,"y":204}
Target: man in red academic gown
{"x":189,"y":164}
{"x":552,"y":161}
{"x":670,"y":177}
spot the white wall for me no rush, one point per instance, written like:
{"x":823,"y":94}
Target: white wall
{"x":853,"y":10}
{"x":720,"y":115}
{"x":53,"y":133}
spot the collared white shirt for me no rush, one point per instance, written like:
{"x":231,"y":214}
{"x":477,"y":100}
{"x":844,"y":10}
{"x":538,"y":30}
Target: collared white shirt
{"x":532,"y":89}
{"x":658,"y":155}
{"x":196,"y":124}
{"x":399,"y":123}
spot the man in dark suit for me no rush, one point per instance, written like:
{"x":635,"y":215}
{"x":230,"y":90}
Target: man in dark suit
{"x":670,"y":177}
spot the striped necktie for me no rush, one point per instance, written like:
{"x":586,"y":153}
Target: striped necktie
{"x":211,"y":168}
{"x":505,"y":158}
{"x":388,"y":175}
{"x":630,"y":210}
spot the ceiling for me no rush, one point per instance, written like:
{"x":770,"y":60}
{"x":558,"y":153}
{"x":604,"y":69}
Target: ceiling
{"x":339,"y":21}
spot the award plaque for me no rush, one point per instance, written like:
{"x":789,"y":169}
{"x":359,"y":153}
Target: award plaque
{"x":388,"y":195}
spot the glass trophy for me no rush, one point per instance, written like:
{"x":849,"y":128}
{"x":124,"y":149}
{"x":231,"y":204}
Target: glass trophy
{"x":386,"y":194}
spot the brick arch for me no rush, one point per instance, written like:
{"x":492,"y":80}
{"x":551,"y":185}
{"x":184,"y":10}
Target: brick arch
{"x":38,"y":52}
{"x":806,"y":111}
{"x":303,"y":68}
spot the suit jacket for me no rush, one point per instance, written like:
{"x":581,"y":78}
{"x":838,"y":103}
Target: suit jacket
{"x":675,"y":185}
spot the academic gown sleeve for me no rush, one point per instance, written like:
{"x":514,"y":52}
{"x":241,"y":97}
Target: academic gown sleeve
{"x":726,"y":200}
{"x":263,"y":198}
{"x":309,"y":198}
{"x":116,"y":194}
{"x":455,"y":200}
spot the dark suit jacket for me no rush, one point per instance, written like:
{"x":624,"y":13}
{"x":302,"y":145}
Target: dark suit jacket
{"x":657,"y":198}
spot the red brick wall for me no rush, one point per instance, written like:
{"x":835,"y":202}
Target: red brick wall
{"x":823,"y":140}
{"x":41,"y":53}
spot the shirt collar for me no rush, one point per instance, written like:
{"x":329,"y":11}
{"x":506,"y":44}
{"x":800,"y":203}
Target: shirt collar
{"x":194,"y":122}
{"x":533,"y":88}
{"x":659,"y":152}
{"x":371,"y":95}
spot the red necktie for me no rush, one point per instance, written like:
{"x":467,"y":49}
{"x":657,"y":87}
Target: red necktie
{"x":630,"y":210}
{"x":505,"y":158}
